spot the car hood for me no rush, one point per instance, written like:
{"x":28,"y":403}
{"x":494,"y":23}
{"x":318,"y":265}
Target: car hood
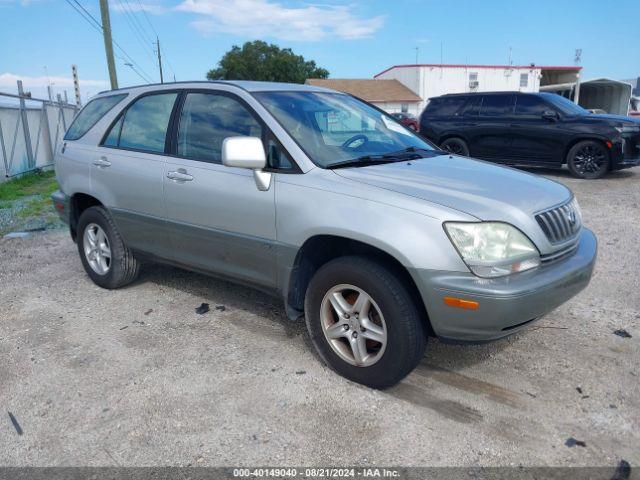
{"x":615,"y":118}
{"x":481,"y":189}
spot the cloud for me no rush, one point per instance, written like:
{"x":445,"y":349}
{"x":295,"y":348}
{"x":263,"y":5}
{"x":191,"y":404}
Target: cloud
{"x":8,"y":80}
{"x":266,"y":18}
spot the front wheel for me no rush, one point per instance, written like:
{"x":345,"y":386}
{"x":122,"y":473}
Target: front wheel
{"x":588,"y":159}
{"x":364,"y":322}
{"x":455,"y":145}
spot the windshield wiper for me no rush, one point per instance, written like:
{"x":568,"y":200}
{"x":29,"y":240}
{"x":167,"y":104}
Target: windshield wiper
{"x":363,"y":161}
{"x":409,"y":153}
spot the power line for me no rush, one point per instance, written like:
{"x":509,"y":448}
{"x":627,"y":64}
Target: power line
{"x":89,"y":18}
{"x":144,"y":13}
{"x":140,"y":36}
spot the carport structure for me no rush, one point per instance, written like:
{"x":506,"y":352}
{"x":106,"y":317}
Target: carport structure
{"x":612,"y":96}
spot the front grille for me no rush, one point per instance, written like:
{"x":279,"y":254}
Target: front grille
{"x":561,"y":223}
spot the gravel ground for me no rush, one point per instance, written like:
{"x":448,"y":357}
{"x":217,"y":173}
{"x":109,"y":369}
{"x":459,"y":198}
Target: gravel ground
{"x":135,"y":377}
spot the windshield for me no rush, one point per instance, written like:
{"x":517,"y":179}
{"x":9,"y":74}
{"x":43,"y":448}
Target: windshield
{"x":334,"y":128}
{"x":564,"y":104}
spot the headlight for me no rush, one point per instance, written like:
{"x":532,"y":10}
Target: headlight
{"x":493,"y":249}
{"x":628,"y":129}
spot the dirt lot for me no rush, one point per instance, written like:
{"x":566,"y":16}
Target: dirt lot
{"x":135,"y":377}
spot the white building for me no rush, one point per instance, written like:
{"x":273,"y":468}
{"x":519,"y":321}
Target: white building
{"x":432,"y":80}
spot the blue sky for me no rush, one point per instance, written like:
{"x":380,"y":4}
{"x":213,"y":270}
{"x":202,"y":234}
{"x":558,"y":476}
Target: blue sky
{"x":40,"y":39}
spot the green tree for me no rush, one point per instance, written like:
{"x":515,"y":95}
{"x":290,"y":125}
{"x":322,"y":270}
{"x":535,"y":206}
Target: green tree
{"x":259,"y":60}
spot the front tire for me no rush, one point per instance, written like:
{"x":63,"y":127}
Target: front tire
{"x":456,"y":146}
{"x":588,"y":160}
{"x":364,"y":322}
{"x":104,"y":256}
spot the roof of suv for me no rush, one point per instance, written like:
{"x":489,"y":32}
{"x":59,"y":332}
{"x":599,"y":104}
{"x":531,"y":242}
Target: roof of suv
{"x":250,"y":86}
{"x":505,"y":92}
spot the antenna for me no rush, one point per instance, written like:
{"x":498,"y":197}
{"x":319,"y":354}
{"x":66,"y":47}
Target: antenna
{"x":417,"y":49}
{"x":578,"y":56}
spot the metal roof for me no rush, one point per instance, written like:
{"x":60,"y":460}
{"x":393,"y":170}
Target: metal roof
{"x":514,"y":67}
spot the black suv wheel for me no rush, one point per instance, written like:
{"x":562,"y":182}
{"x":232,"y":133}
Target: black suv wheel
{"x":456,"y":145}
{"x":363,"y":321}
{"x":588,"y":159}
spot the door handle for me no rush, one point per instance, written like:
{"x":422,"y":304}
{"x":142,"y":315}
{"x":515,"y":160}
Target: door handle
{"x":102,"y":162}
{"x":180,"y":175}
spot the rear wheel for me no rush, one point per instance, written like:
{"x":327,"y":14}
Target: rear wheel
{"x":588,"y":159}
{"x":364,"y":322}
{"x":456,"y":145}
{"x":104,"y":256}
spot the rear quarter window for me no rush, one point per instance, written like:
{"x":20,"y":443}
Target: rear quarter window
{"x":445,"y":106}
{"x":90,"y":114}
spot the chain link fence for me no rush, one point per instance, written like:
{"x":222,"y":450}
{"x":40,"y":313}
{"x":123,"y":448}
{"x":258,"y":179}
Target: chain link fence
{"x":31,"y":130}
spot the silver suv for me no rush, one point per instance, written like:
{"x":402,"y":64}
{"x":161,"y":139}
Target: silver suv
{"x":371,"y":233}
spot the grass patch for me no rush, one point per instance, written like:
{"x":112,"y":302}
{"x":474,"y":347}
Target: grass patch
{"x":36,"y":207}
{"x":37,"y":183}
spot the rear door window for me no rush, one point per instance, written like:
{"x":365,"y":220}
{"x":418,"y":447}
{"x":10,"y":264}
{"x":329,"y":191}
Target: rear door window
{"x":496,"y":105}
{"x":90,"y":114}
{"x":144,"y":125}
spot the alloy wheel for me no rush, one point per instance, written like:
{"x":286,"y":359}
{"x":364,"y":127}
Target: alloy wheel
{"x":96,"y":249}
{"x":589,"y":159}
{"x":353,"y":325}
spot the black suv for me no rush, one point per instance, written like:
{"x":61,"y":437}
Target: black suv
{"x":535,"y":129}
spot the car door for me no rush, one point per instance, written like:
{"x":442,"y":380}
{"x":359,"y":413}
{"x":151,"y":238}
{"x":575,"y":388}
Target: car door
{"x":128,"y":169}
{"x":219,"y":220}
{"x":536,"y":140}
{"x":492,"y":139}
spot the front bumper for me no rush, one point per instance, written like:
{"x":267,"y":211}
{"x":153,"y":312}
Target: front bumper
{"x":629,"y":153}
{"x":506,"y":304}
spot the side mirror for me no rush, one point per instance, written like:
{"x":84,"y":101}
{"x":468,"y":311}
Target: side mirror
{"x":550,"y":115}
{"x":243,"y":152}
{"x":247,"y":152}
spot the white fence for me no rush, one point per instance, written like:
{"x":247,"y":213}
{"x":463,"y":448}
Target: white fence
{"x":31,"y":130}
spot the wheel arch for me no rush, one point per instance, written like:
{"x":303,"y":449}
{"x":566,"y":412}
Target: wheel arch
{"x":320,"y":249}
{"x":78,"y":203}
{"x":447,"y":136}
{"x":582,"y":138}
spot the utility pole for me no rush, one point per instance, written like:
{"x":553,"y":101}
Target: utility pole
{"x":76,"y":85}
{"x":108,"y":43}
{"x":576,"y":92}
{"x":159,"y":59}
{"x":31,"y":161}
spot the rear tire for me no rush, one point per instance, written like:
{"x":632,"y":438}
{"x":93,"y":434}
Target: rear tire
{"x":456,"y":146}
{"x":104,"y":256}
{"x":588,"y":160}
{"x":391,"y":316}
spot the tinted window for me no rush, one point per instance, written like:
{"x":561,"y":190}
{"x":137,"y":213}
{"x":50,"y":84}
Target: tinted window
{"x":206,"y":120}
{"x":446,"y":106}
{"x":145,"y":123}
{"x":90,"y":114}
{"x":563,"y":104}
{"x":530,"y":105}
{"x":496,"y":105}
{"x":472,"y":107}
